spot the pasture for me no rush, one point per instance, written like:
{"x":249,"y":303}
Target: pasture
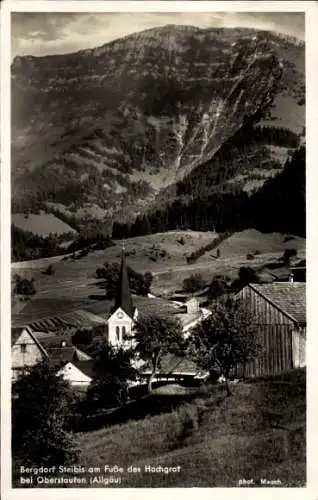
{"x":163,"y":254}
{"x":42,"y":224}
{"x":257,"y":433}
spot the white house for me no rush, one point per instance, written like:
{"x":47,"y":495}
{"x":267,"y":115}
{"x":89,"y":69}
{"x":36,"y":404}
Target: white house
{"x":78,"y":373}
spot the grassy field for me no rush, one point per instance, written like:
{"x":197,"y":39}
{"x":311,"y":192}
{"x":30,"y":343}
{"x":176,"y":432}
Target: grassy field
{"x":42,"y":224}
{"x":163,"y":254}
{"x":257,"y":433}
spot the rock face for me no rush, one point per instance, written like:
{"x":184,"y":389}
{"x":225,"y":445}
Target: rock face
{"x":114,"y":125}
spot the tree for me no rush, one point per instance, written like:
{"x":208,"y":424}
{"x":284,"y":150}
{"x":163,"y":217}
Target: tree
{"x":42,"y":406}
{"x":218,"y":286}
{"x":139,"y":283}
{"x":155,"y":336}
{"x":224,"y":338}
{"x":23,"y":286}
{"x":112,"y":372}
{"x":246,"y":275}
{"x":194,"y":283}
{"x":50,"y":270}
{"x":288,"y":254}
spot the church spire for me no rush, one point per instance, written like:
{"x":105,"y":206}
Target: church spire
{"x":123,"y":296}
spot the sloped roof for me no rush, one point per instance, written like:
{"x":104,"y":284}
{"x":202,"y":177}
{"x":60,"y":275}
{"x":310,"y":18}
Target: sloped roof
{"x":87,"y":367}
{"x":148,"y":306}
{"x":51,"y":340}
{"x":123,"y":296}
{"x":58,"y":355}
{"x":289,"y":298}
{"x":174,"y":365}
{"x":43,"y":308}
{"x":16,"y":332}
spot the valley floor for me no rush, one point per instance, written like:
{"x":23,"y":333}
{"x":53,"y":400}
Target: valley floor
{"x":73,"y":284}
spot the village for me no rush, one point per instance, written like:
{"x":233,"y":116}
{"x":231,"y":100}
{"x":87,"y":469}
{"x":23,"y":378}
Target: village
{"x":158,"y":249}
{"x":278,"y":309}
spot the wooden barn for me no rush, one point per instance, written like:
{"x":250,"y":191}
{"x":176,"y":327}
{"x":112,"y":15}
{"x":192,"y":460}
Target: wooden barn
{"x":279,"y":310}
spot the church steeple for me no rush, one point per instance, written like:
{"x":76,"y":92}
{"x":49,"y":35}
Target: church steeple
{"x":123,"y":296}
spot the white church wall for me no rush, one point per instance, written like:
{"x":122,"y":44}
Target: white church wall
{"x":119,"y":326}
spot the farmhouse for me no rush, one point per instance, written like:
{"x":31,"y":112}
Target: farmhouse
{"x":78,"y":373}
{"x":26,"y":350}
{"x":279,"y":311}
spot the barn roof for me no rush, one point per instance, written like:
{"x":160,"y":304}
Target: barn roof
{"x":289,"y":298}
{"x":173,"y":365}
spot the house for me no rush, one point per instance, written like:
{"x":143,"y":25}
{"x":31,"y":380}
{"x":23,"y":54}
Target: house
{"x":279,"y":311}
{"x":26,"y":350}
{"x":78,"y":373}
{"x":174,"y":369}
{"x":71,"y":363}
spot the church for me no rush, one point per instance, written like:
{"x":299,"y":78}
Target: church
{"x":123,"y":314}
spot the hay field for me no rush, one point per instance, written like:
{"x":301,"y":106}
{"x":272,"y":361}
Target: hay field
{"x":42,"y":224}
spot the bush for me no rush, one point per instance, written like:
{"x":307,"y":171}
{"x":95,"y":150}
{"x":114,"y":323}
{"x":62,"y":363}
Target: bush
{"x":194,"y":283}
{"x":288,"y":254}
{"x":42,"y":404}
{"x":23,"y":286}
{"x":49,"y":270}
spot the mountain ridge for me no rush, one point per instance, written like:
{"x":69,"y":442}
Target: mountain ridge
{"x":116,"y":124}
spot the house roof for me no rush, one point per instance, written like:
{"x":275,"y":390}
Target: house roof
{"x":51,"y":340}
{"x":60,"y":355}
{"x":16,"y":332}
{"x":148,"y":306}
{"x":86,"y":367}
{"x":289,"y":298}
{"x":43,"y":308}
{"x":123,"y":298}
{"x":68,"y":322}
{"x":172,"y":365}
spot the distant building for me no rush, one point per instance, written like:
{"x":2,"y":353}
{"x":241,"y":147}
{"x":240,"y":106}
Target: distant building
{"x":299,"y":271}
{"x":279,"y":311}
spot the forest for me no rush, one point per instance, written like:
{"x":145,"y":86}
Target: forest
{"x":278,"y":206}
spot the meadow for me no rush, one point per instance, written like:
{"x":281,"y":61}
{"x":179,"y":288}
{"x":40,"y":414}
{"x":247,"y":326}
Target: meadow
{"x":163,"y":254}
{"x":42,"y":224}
{"x":258,"y":433}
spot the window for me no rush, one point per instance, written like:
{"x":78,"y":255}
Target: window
{"x":23,"y":347}
{"x":117,"y":332}
{"x":123,"y":332}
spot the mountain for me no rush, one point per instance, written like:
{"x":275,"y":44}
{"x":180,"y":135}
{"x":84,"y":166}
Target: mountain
{"x":106,"y":132}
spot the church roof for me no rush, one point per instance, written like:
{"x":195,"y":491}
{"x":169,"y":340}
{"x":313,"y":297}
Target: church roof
{"x":123,"y":296}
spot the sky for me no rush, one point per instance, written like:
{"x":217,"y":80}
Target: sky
{"x":41,"y":33}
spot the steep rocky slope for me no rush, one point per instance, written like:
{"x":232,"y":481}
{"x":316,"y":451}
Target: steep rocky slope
{"x":108,"y":128}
